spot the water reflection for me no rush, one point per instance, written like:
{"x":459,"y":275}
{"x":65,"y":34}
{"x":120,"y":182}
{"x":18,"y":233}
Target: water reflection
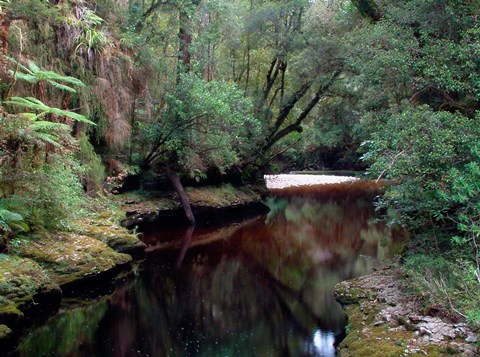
{"x":260,"y":289}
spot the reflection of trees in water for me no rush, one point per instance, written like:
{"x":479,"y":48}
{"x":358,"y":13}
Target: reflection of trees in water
{"x":64,"y":332}
{"x":317,"y":244}
{"x":265,"y":291}
{"x":210,"y":307}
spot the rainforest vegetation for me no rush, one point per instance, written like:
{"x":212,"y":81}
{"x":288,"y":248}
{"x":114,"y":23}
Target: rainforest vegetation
{"x":205,"y":91}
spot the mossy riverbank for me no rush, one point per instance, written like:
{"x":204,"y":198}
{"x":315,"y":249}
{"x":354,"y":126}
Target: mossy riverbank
{"x":37,"y":270}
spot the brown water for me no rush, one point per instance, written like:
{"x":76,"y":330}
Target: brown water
{"x":260,"y":288}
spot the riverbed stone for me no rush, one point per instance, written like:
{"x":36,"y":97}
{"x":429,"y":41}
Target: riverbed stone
{"x":380,"y":296}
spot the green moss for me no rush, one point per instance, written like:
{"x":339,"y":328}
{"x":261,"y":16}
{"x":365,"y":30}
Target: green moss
{"x":5,"y":332}
{"x":68,"y":257}
{"x":10,"y":312}
{"x":364,"y":339}
{"x":116,"y":237}
{"x":20,"y":277}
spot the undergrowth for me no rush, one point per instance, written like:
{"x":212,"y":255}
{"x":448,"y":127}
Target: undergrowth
{"x":446,"y":281}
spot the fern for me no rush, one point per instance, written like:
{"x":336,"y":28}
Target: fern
{"x":34,"y":74}
{"x":42,"y":125}
{"x":42,"y":109}
{"x":10,"y":221}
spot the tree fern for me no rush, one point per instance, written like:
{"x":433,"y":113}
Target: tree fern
{"x":34,"y":74}
{"x":42,"y":109}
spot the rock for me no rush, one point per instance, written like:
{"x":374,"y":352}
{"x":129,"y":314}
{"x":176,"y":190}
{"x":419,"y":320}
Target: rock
{"x":472,"y":339}
{"x":116,"y":237}
{"x":422,"y":331}
{"x":393,"y":322}
{"x":37,"y":293}
{"x":82,"y":256}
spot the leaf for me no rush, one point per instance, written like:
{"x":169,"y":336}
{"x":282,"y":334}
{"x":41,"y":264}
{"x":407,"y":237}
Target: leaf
{"x":47,"y":138}
{"x":37,"y":105}
{"x":62,"y":86}
{"x":43,"y":125}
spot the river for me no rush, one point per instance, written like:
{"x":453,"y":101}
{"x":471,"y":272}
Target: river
{"x":261,"y":287}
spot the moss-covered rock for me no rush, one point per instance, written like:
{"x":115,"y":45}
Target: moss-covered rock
{"x":68,"y":257}
{"x":383,"y":320}
{"x":115,"y":236}
{"x":6,"y":336}
{"x":23,"y":286}
{"x":5,"y":332}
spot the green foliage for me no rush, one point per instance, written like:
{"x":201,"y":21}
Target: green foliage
{"x":10,"y":223}
{"x":416,"y":92}
{"x":452,"y":283}
{"x":33,"y":74}
{"x":93,"y":174}
{"x":39,"y":180}
{"x":416,"y":148}
{"x":206,"y":124}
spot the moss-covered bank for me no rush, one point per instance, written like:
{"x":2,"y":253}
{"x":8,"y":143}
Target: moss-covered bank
{"x":383,"y":320}
{"x":40,"y":268}
{"x":206,"y":202}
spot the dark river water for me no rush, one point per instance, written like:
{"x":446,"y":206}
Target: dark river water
{"x":262,"y":287}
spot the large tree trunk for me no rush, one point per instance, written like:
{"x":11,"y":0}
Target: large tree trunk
{"x":177,"y":185}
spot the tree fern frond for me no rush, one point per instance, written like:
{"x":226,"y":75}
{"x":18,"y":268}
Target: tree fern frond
{"x":21,"y":66}
{"x":48,"y":138}
{"x":24,"y":77}
{"x":43,"y":125}
{"x":33,"y":67}
{"x":62,"y":86}
{"x":37,"y":105}
{"x":72,"y":115}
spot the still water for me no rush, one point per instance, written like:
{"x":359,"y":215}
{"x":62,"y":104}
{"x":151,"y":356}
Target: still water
{"x":263,"y":287}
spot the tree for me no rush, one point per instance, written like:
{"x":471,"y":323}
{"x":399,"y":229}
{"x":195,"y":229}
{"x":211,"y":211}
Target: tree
{"x":205,"y":125}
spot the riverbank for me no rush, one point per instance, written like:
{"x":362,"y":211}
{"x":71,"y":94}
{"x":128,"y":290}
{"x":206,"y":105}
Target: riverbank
{"x":207,"y":203}
{"x":37,"y":270}
{"x":385,"y":320}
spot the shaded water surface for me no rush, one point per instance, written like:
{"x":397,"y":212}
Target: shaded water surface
{"x":260,"y":288}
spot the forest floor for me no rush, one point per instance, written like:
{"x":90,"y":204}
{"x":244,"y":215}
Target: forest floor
{"x":385,"y":320}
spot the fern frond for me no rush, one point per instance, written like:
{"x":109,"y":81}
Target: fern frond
{"x":21,"y":66}
{"x":38,"y":106}
{"x":62,"y":86}
{"x":48,"y":138}
{"x":24,"y":77}
{"x":43,"y":125}
{"x":33,"y":67}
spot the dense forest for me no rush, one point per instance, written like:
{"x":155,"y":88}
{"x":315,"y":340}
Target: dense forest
{"x":94,"y":92}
